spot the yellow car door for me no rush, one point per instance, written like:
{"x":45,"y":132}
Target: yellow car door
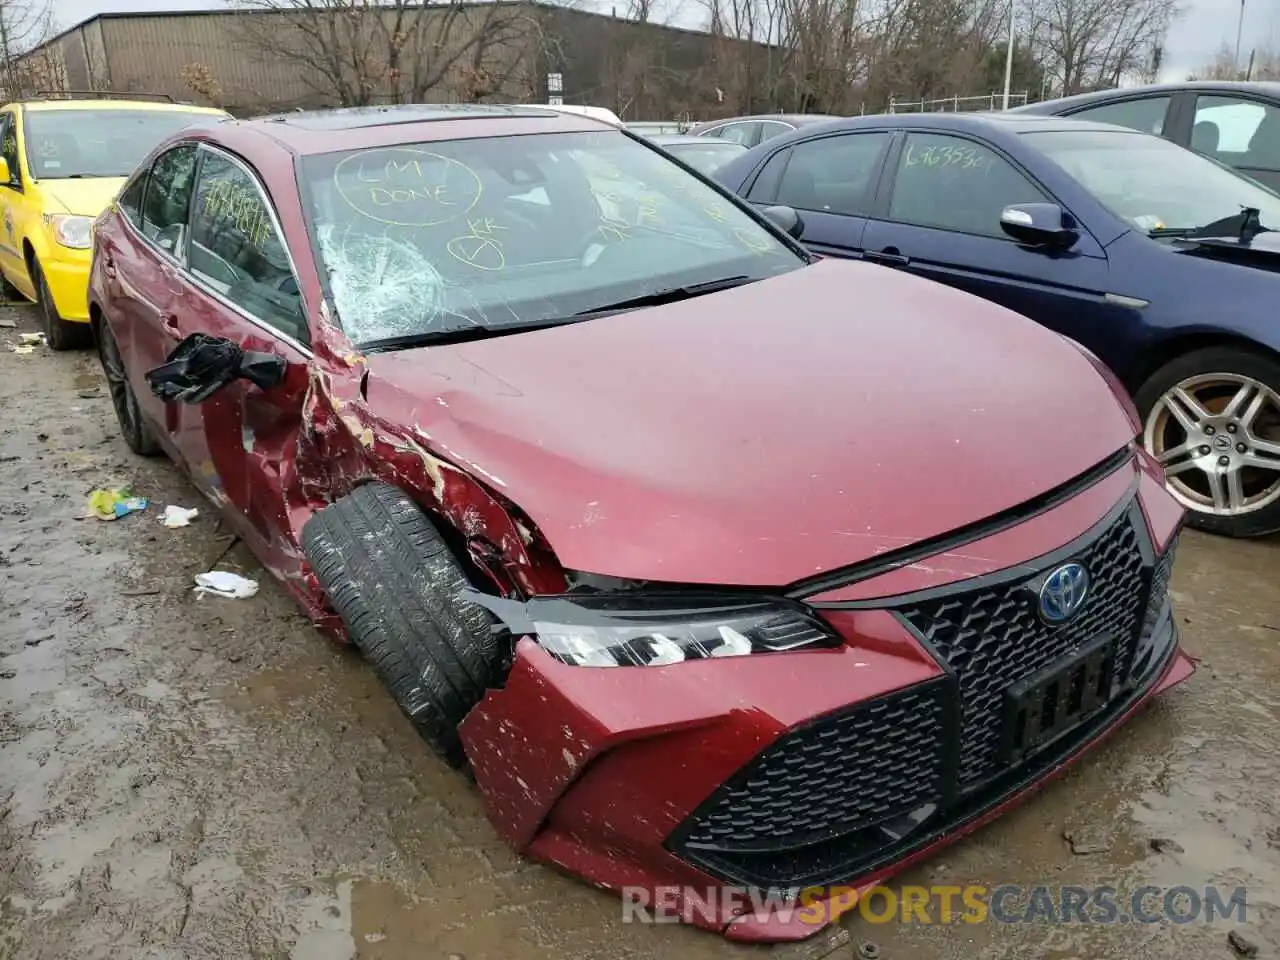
{"x":13,"y":205}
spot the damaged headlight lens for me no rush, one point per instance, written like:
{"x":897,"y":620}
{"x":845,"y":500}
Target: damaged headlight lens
{"x":637,"y":631}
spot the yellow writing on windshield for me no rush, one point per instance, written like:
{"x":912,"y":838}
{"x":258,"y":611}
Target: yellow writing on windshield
{"x":407,"y":187}
{"x":480,"y":247}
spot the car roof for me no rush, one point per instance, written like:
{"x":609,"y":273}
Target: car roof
{"x":353,"y":128}
{"x":792,"y":118}
{"x":71,"y":103}
{"x":1263,"y":88}
{"x":975,"y":122}
{"x":670,"y":139}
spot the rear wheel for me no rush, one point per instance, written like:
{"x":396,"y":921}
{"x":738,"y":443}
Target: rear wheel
{"x":137,"y":434}
{"x":58,"y":333}
{"x":398,"y":588}
{"x":1212,"y":418}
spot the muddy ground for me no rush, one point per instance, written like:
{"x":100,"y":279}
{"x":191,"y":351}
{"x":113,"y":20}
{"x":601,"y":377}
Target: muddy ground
{"x":210,"y":778}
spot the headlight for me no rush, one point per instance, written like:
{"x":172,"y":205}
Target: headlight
{"x":73,"y":232}
{"x":633,"y":630}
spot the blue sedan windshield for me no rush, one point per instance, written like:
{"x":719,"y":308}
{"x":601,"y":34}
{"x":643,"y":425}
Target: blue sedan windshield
{"x":1153,"y":183}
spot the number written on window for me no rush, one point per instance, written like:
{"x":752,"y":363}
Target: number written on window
{"x":956,"y":184}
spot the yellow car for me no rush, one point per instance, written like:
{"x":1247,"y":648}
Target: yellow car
{"x":61,"y":163}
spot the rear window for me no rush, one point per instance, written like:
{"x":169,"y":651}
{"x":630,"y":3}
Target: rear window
{"x":64,"y":144}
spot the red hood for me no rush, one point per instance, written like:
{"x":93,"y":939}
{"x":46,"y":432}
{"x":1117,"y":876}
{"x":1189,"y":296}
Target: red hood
{"x":763,"y":434}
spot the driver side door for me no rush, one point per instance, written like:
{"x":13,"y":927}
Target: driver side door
{"x":240,"y":284}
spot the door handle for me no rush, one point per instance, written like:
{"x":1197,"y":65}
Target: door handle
{"x":888,"y":256}
{"x":169,"y":324}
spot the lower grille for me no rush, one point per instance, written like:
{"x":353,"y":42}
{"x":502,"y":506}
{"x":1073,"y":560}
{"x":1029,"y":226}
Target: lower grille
{"x":992,"y":637}
{"x":857,"y":789}
{"x":844,"y":772}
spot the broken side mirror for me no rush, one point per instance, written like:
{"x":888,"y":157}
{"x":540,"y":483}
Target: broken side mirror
{"x":785,"y":219}
{"x":202,"y":365}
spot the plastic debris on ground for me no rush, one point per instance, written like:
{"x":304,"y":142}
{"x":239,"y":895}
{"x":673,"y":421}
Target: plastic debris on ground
{"x":31,"y":339}
{"x":23,"y":351}
{"x":7,"y":323}
{"x":114,"y":504}
{"x":223,"y":583}
{"x":178,"y":516}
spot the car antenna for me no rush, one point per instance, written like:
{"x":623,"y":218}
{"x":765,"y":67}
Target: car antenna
{"x":1251,"y":225}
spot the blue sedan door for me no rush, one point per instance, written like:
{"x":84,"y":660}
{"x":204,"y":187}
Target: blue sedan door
{"x":939,"y":216}
{"x":829,"y":180}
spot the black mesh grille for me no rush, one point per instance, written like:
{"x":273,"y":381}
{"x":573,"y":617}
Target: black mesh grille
{"x":839,"y":774}
{"x":993,"y":637}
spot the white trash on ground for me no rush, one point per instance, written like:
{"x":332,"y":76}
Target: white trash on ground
{"x":223,"y":583}
{"x":178,"y":516}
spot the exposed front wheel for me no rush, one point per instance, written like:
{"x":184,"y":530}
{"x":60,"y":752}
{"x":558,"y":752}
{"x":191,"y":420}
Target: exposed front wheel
{"x":398,"y":588}
{"x":58,"y":333}
{"x":1212,"y":418}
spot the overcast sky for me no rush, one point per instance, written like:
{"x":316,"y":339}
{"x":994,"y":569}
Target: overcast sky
{"x":1205,"y":25}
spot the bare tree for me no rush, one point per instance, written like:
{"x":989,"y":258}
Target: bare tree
{"x":24,"y":25}
{"x":1262,"y":64}
{"x":359,"y":52}
{"x":1093,"y":44}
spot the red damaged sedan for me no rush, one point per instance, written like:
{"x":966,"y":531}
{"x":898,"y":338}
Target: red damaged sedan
{"x":720,"y":566}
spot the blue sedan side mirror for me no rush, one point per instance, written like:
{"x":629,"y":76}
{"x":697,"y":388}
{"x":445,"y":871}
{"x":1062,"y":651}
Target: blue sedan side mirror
{"x":1039,"y":225}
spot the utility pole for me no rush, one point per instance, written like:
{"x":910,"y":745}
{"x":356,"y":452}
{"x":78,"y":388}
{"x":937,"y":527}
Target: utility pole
{"x":1008,"y":59}
{"x":1235,"y":62}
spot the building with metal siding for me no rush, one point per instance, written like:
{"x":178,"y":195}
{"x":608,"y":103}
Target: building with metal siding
{"x":233,"y":58}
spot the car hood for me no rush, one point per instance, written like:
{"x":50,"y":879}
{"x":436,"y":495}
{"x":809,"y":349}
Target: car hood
{"x":87,"y":198}
{"x":765,"y":433}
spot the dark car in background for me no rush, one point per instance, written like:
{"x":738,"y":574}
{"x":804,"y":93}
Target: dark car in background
{"x":751,"y":131}
{"x":704,"y":154}
{"x":1127,"y":243}
{"x":1237,"y":123}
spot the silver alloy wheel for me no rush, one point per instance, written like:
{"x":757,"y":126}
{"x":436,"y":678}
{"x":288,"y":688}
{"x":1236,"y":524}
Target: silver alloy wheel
{"x":1218,"y":437}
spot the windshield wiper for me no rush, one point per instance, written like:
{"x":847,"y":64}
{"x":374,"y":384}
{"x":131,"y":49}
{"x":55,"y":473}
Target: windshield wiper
{"x":669,"y":295}
{"x":1244,"y":225}
{"x":458,"y":335}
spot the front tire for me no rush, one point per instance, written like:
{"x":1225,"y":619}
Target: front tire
{"x":58,"y":333}
{"x":1212,"y":417}
{"x":398,"y":588}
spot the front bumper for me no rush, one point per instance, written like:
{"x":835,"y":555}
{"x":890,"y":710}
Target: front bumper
{"x":67,"y":274}
{"x":827,"y":768}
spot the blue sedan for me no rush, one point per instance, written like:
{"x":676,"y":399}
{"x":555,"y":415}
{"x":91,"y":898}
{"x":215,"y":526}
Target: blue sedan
{"x":1158,"y":260}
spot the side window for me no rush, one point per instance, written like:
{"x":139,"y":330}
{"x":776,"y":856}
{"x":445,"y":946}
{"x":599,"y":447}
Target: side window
{"x":167,"y":198}
{"x":833,"y":174}
{"x":131,"y":198}
{"x":956,"y":184}
{"x":1244,"y":133}
{"x":773,"y":128}
{"x":765,"y":188}
{"x":236,"y":250}
{"x":1145,"y":115}
{"x":9,"y":145}
{"x":743,"y":133}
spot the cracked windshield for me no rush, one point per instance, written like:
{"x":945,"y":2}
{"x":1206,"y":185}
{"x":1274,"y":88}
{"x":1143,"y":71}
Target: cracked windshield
{"x":69,"y":144}
{"x":430,"y":240}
